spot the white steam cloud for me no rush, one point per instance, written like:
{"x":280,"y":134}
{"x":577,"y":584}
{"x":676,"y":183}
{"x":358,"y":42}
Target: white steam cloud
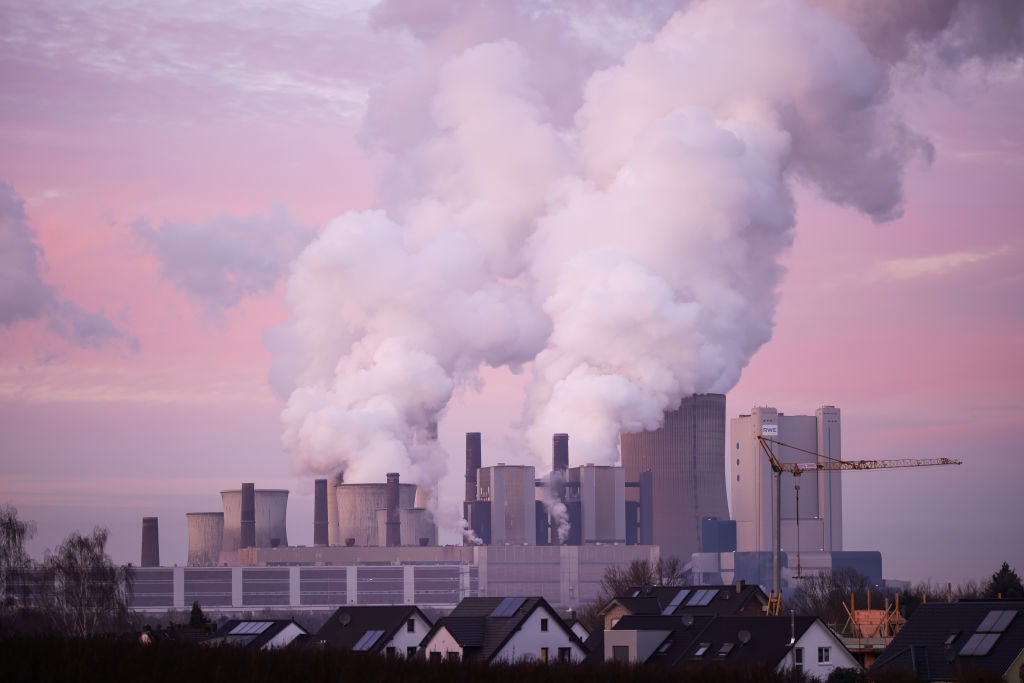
{"x":611,"y":212}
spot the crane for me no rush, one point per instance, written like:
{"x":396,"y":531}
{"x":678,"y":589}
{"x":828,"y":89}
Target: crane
{"x":820,"y":463}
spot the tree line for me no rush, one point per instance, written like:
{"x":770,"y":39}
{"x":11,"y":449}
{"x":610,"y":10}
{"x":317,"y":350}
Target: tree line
{"x":76,"y":591}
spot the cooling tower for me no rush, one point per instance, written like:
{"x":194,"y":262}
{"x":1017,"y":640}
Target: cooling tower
{"x":687,"y":459}
{"x":473,"y":463}
{"x":205,"y":538}
{"x":271,"y":509}
{"x":357,"y":510}
{"x":333,"y":535}
{"x":417,"y":525}
{"x":248,"y":517}
{"x":320,"y":512}
{"x":393,"y":532}
{"x":150,"y":542}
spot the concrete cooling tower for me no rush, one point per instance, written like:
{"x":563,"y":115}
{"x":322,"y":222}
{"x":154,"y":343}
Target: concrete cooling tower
{"x":357,"y":510}
{"x":687,"y":458}
{"x":271,"y":509}
{"x":205,"y":538}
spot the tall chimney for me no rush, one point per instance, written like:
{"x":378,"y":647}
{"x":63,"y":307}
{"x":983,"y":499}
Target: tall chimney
{"x":333,"y":529}
{"x":248,"y":539}
{"x":560,"y":454}
{"x":393,"y":523}
{"x":473,"y":463}
{"x":150,"y":542}
{"x":320,"y":512}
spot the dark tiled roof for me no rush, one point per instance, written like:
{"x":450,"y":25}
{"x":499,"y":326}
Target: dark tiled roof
{"x":346,"y":627}
{"x":920,"y":646}
{"x":655,"y":599}
{"x":255,"y":640}
{"x":768,"y":639}
{"x":683,"y":633}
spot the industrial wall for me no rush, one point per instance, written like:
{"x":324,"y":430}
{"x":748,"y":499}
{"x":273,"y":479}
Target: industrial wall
{"x":685,"y":456}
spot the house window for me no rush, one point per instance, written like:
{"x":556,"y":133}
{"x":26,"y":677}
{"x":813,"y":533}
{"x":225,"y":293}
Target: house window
{"x":544,"y":655}
{"x":620,"y":653}
{"x":410,"y":626}
{"x":435,"y":656}
{"x":543,"y":624}
{"x":452,"y":656}
{"x":798,"y":659}
{"x":564,"y":654}
{"x":410,"y":652}
{"x":824,"y":655}
{"x":702,"y":649}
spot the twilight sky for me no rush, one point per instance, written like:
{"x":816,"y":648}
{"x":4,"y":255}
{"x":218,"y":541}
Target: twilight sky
{"x":230,"y":235}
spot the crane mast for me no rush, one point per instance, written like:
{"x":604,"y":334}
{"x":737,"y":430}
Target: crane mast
{"x":820,"y":463}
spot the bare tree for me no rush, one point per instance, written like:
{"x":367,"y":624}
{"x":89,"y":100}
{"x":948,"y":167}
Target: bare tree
{"x":667,"y":571}
{"x":14,"y":560}
{"x":824,"y":594}
{"x":89,"y":592}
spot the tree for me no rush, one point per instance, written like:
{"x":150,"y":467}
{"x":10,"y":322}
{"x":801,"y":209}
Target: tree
{"x":1004,"y":584}
{"x":667,"y":571}
{"x":197,"y":619}
{"x":14,"y":560}
{"x":89,"y":592}
{"x":824,"y":594}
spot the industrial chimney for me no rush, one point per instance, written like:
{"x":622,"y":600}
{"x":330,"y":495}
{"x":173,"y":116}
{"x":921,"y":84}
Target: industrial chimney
{"x":150,"y":542}
{"x":333,"y":526}
{"x":473,"y":463}
{"x":393,"y":522}
{"x":320,"y":512}
{"x":248,"y":522}
{"x":560,"y":452}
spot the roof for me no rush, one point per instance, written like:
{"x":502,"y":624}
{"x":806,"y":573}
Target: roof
{"x":254,"y":633}
{"x":678,"y":600}
{"x":482,"y":626}
{"x":940,"y":640}
{"x":348,"y":626}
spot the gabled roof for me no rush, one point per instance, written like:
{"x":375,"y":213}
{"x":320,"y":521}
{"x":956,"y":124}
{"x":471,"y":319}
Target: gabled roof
{"x":350,"y":627}
{"x":683,"y":631}
{"x":254,"y":633}
{"x":940,"y":640}
{"x":678,"y":600}
{"x":482,"y":626}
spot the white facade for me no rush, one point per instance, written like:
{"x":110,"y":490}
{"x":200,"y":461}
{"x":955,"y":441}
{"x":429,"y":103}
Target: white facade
{"x":530,"y":641}
{"x":818,"y":652}
{"x":404,"y":639}
{"x":812,"y":519}
{"x":443,"y":643}
{"x":632,"y":646}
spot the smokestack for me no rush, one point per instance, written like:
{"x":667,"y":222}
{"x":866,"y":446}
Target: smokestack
{"x":248,"y":526}
{"x":333,"y":527}
{"x":150,"y":542}
{"x":320,"y":512}
{"x":560,"y":453}
{"x":393,"y":523}
{"x":473,"y":463}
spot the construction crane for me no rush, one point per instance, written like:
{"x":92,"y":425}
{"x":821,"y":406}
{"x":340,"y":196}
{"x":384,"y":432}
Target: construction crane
{"x":820,"y":463}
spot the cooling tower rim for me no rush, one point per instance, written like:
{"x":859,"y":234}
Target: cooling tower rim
{"x":258,"y":490}
{"x":207,"y":514}
{"x":372,"y":484}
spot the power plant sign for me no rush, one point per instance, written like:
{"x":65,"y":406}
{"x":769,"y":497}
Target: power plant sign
{"x":770,"y":430}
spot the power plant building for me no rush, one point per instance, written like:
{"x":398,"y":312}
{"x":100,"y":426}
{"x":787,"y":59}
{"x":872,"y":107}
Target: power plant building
{"x":510,"y":492}
{"x":205,"y":538}
{"x":270,"y":509}
{"x":685,"y":459}
{"x":601,"y":492}
{"x":820,"y":495}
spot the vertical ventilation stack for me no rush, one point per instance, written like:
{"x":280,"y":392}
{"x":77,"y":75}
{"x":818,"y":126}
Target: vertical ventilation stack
{"x":473,"y":463}
{"x":559,"y":464}
{"x":333,"y":527}
{"x":393,"y":523}
{"x":248,"y":522}
{"x":320,"y":512}
{"x":150,"y":542}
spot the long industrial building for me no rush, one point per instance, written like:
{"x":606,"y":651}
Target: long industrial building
{"x":819,"y":499}
{"x":685,"y":457}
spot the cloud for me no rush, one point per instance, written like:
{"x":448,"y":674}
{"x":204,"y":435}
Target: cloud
{"x":932,"y":266}
{"x":227,"y":258}
{"x":25,"y":295}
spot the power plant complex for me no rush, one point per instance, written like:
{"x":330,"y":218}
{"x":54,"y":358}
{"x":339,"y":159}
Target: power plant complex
{"x":552,"y":535}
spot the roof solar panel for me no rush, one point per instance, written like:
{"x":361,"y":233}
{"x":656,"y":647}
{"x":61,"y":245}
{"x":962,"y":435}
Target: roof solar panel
{"x":703,"y":597}
{"x":979,"y":645}
{"x":676,"y":601}
{"x":508,"y":607}
{"x":250,"y":627}
{"x":367,"y":641}
{"x":996,"y":621}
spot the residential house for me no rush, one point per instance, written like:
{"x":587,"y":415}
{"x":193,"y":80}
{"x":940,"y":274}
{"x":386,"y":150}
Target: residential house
{"x":259,"y":634}
{"x":946,"y":641}
{"x":503,"y":629}
{"x":392,"y":630}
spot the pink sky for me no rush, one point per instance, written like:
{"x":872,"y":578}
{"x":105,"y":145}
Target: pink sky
{"x":111,"y":116}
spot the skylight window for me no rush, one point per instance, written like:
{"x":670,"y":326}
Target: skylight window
{"x":725,"y":649}
{"x":702,"y":649}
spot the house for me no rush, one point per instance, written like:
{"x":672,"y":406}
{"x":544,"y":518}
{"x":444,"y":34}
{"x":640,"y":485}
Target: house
{"x":256,"y":634}
{"x":944,"y":641}
{"x":393,"y":630}
{"x":738,"y":600}
{"x":503,"y":629}
{"x":802,"y":643}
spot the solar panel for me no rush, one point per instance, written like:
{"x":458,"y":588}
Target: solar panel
{"x":367,"y":641}
{"x":508,"y":607}
{"x":725,"y":649}
{"x":979,"y":645}
{"x":996,"y":621}
{"x":703,"y":597}
{"x":676,"y":601}
{"x":250,"y":627}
